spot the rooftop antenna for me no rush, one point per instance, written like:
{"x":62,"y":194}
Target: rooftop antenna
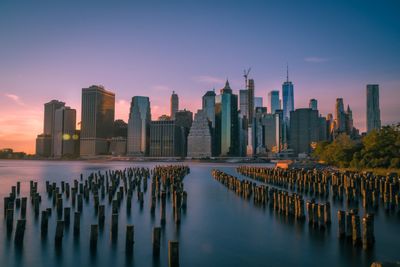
{"x":245,"y":75}
{"x":287,"y":72}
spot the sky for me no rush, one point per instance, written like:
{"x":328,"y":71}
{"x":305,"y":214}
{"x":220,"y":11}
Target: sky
{"x":53,"y":49}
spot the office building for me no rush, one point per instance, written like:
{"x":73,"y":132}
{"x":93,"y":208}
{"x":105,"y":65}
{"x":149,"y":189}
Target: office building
{"x":227,"y":126}
{"x":199,"y":139}
{"x":139,"y":126}
{"x":373,"y":110}
{"x":304,"y":130}
{"x":258,"y":102}
{"x":208,"y":105}
{"x":97,"y":119}
{"x":66,"y":140}
{"x":184,"y":120}
{"x":165,"y":139}
{"x":49,"y":121}
{"x":250,"y":99}
{"x":287,"y":99}
{"x":174,"y":105}
{"x":313,"y":104}
{"x":273,"y":101}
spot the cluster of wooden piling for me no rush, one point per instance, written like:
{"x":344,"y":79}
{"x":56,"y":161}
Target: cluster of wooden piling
{"x":288,"y":204}
{"x":352,"y":187}
{"x":349,"y":228}
{"x":96,"y":190}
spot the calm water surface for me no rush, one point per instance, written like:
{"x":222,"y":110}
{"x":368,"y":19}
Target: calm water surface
{"x":218,"y":229}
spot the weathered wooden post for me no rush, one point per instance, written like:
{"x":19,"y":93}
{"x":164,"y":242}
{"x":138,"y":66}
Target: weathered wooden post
{"x":10,"y":220}
{"x":94,"y":231}
{"x":162,"y":209}
{"x":355,"y":222}
{"x":80,"y":203}
{"x":173,"y":254}
{"x":59,"y":233}
{"x":341,"y":224}
{"x":129,"y":237}
{"x":23,"y":207}
{"x":18,"y":187}
{"x":19,"y":233}
{"x":44,"y":223}
{"x":101,"y":215}
{"x":368,"y":238}
{"x":114,"y":226}
{"x":67,"y":215}
{"x":156,"y":241}
{"x":77,"y":223}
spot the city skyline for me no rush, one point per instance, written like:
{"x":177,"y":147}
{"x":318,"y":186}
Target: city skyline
{"x":57,"y":64}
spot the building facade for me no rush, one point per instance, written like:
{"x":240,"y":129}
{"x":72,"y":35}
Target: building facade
{"x":373,"y":110}
{"x":273,"y":101}
{"x":165,"y":139}
{"x":65,"y":137}
{"x":199,"y":139}
{"x":304,"y":130}
{"x":227,"y":126}
{"x":174,"y":105}
{"x":313,"y":104}
{"x":98,"y":109}
{"x":139,"y":126}
{"x":49,"y":121}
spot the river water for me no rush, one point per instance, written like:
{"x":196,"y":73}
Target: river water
{"x":218,"y":228}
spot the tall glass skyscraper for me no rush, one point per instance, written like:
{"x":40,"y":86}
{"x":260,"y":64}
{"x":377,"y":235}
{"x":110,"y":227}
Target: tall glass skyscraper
{"x":139,"y":126}
{"x":273,"y":101}
{"x":287,"y":99}
{"x":373,"y":110}
{"x":208,"y":106}
{"x":98,"y":109}
{"x":227,"y":128}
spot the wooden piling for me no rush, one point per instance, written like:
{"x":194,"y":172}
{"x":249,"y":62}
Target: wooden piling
{"x":114,"y":225}
{"x":94,"y":232}
{"x":173,"y":254}
{"x":129,"y":237}
{"x":19,"y":232}
{"x":77,"y":223}
{"x":156,"y":241}
{"x":59,"y":233}
{"x":44,"y":223}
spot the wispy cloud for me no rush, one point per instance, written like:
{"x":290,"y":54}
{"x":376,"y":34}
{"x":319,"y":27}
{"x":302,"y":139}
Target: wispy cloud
{"x":316,"y":59}
{"x":15,"y":98}
{"x":208,"y":79}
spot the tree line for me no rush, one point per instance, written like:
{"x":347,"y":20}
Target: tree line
{"x":377,"y":149}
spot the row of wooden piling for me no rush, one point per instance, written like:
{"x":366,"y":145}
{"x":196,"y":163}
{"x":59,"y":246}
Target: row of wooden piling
{"x":349,"y":228}
{"x":353,"y":187}
{"x":118,"y":184}
{"x":290,"y":205}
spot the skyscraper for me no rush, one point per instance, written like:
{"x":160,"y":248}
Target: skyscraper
{"x":65,"y":136}
{"x":208,"y":106}
{"x":49,"y":120}
{"x":227,"y":128}
{"x":139,"y":126}
{"x":98,"y":107}
{"x":313,"y":104}
{"x":304,"y":130}
{"x":184,"y":120}
{"x":373,"y":110}
{"x":273,"y":101}
{"x":340,"y":116}
{"x":250,"y":99}
{"x":174,"y":105}
{"x":258,"y":102}
{"x":165,"y":139}
{"x":287,"y":98}
{"x":244,"y":103}
{"x":199,"y":139}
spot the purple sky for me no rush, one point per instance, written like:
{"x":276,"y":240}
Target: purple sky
{"x":50,"y":50}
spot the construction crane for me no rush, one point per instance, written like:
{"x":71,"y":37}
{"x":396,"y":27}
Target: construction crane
{"x":245,"y":75}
